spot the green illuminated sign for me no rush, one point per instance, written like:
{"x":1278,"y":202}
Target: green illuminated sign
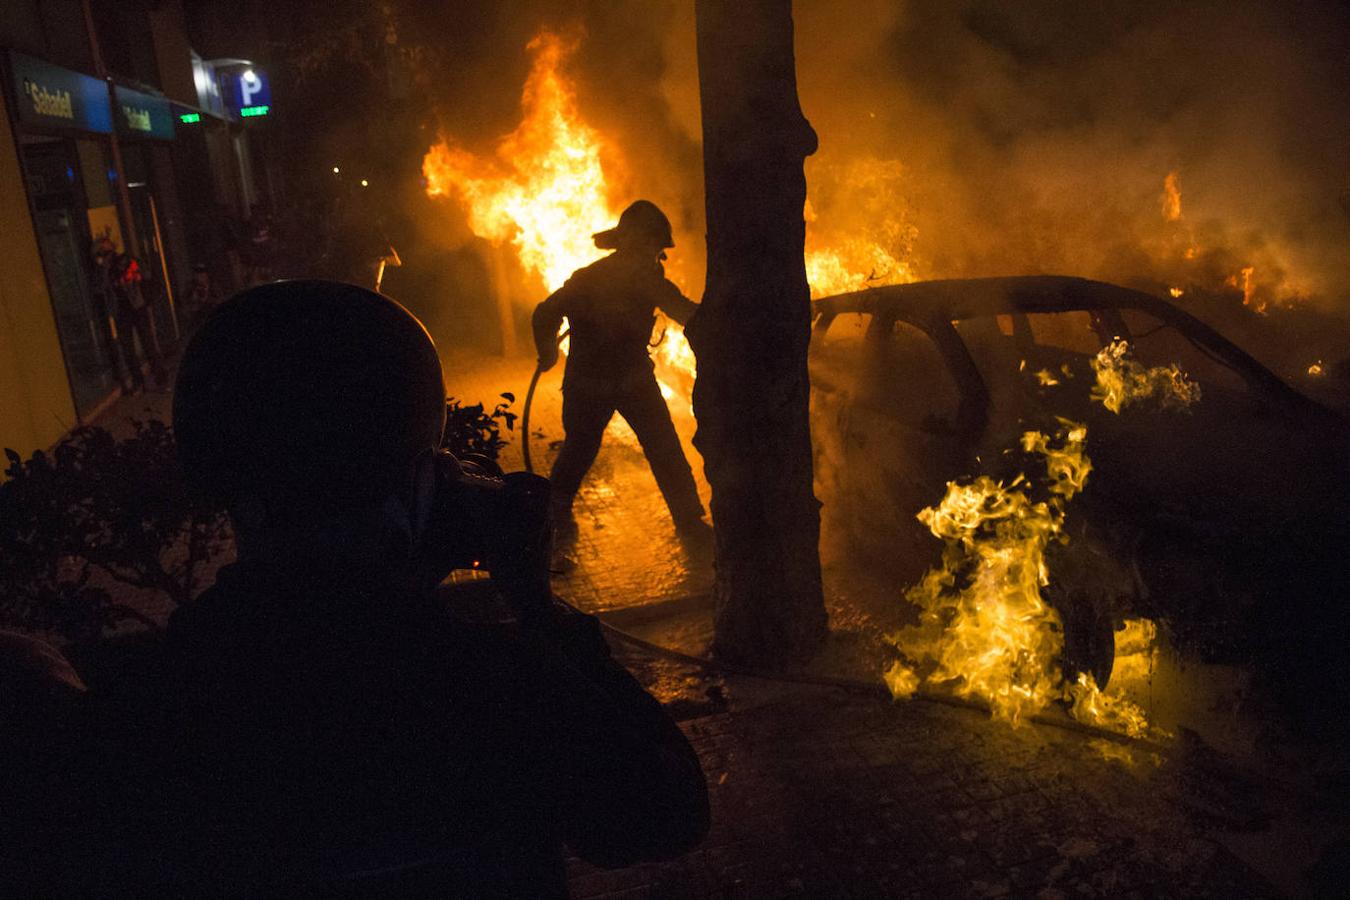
{"x":250,"y":111}
{"x":190,"y":118}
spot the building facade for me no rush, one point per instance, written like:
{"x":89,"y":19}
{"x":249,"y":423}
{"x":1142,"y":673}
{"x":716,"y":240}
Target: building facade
{"x":110,"y":126}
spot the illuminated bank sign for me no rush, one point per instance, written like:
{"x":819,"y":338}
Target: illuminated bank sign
{"x":54,"y":97}
{"x":248,"y":93}
{"x":143,"y":115}
{"x":49,"y":103}
{"x":138,"y":119}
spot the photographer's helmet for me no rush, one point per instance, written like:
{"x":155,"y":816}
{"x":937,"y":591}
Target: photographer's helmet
{"x":642,"y":220}
{"x":307,"y":396}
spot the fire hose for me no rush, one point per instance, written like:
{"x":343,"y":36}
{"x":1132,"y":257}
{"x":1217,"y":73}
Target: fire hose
{"x":525,"y":413}
{"x":525,"y":418}
{"x":857,"y":686}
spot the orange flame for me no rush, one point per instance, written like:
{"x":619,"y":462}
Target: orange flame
{"x":1249,"y":289}
{"x":544,"y":188}
{"x":1171,"y":204}
{"x":865,"y":240}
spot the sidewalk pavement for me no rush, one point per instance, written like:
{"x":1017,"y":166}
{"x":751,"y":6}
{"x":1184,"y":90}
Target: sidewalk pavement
{"x":819,"y":794}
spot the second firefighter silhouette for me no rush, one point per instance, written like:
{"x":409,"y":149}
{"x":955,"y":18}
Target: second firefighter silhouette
{"x":609,"y":306}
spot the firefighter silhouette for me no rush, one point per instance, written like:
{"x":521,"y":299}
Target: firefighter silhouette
{"x":609,"y":306}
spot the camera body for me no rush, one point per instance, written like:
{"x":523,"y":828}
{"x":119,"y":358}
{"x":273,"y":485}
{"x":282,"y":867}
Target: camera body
{"x":499,"y":523}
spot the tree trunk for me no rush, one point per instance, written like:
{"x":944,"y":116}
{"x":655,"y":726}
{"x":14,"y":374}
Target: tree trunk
{"x":751,"y":335}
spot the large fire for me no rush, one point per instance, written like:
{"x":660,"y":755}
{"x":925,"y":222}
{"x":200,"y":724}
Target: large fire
{"x":544,"y":189}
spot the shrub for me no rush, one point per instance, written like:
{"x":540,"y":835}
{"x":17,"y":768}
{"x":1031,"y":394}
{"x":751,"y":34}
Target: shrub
{"x":96,"y":504}
{"x":99,"y":505}
{"x":473,"y":430}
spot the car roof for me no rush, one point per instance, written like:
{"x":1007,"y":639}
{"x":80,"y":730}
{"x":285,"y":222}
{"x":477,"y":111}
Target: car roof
{"x":931,"y":306}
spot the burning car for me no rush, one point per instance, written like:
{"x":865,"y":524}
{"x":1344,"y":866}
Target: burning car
{"x":1222,"y":518}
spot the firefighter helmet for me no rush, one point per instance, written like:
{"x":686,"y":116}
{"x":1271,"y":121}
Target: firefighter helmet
{"x":642,"y":218}
{"x":307,"y":394}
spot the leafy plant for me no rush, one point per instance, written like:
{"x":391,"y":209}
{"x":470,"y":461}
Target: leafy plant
{"x":99,"y":505}
{"x":473,"y":430}
{"x":96,"y":512}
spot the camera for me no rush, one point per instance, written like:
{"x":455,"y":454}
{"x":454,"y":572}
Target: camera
{"x":486,"y":520}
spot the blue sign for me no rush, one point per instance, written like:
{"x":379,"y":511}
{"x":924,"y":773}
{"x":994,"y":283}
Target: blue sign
{"x":248,"y":93}
{"x":143,"y":115}
{"x":51,"y":96}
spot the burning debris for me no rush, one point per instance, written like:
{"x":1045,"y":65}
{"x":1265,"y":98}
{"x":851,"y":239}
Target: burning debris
{"x":1121,"y":381}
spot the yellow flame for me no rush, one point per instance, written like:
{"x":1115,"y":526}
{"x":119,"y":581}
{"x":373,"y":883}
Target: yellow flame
{"x":901,"y":680}
{"x":1112,"y":712}
{"x":544,"y":188}
{"x":1171,"y":202}
{"x":1122,"y":381}
{"x":674,"y":361}
{"x":1175,"y":292}
{"x":1317,"y":369}
{"x":984,"y":629}
{"x":1136,"y":637}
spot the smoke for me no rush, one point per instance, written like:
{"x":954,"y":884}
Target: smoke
{"x":1010,"y":138}
{"x":1037,"y":136}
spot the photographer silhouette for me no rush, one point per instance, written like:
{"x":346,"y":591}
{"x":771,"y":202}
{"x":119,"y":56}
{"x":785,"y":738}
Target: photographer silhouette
{"x":324,"y":721}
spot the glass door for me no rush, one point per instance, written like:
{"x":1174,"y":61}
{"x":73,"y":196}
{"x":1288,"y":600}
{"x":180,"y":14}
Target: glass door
{"x":64,"y":243}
